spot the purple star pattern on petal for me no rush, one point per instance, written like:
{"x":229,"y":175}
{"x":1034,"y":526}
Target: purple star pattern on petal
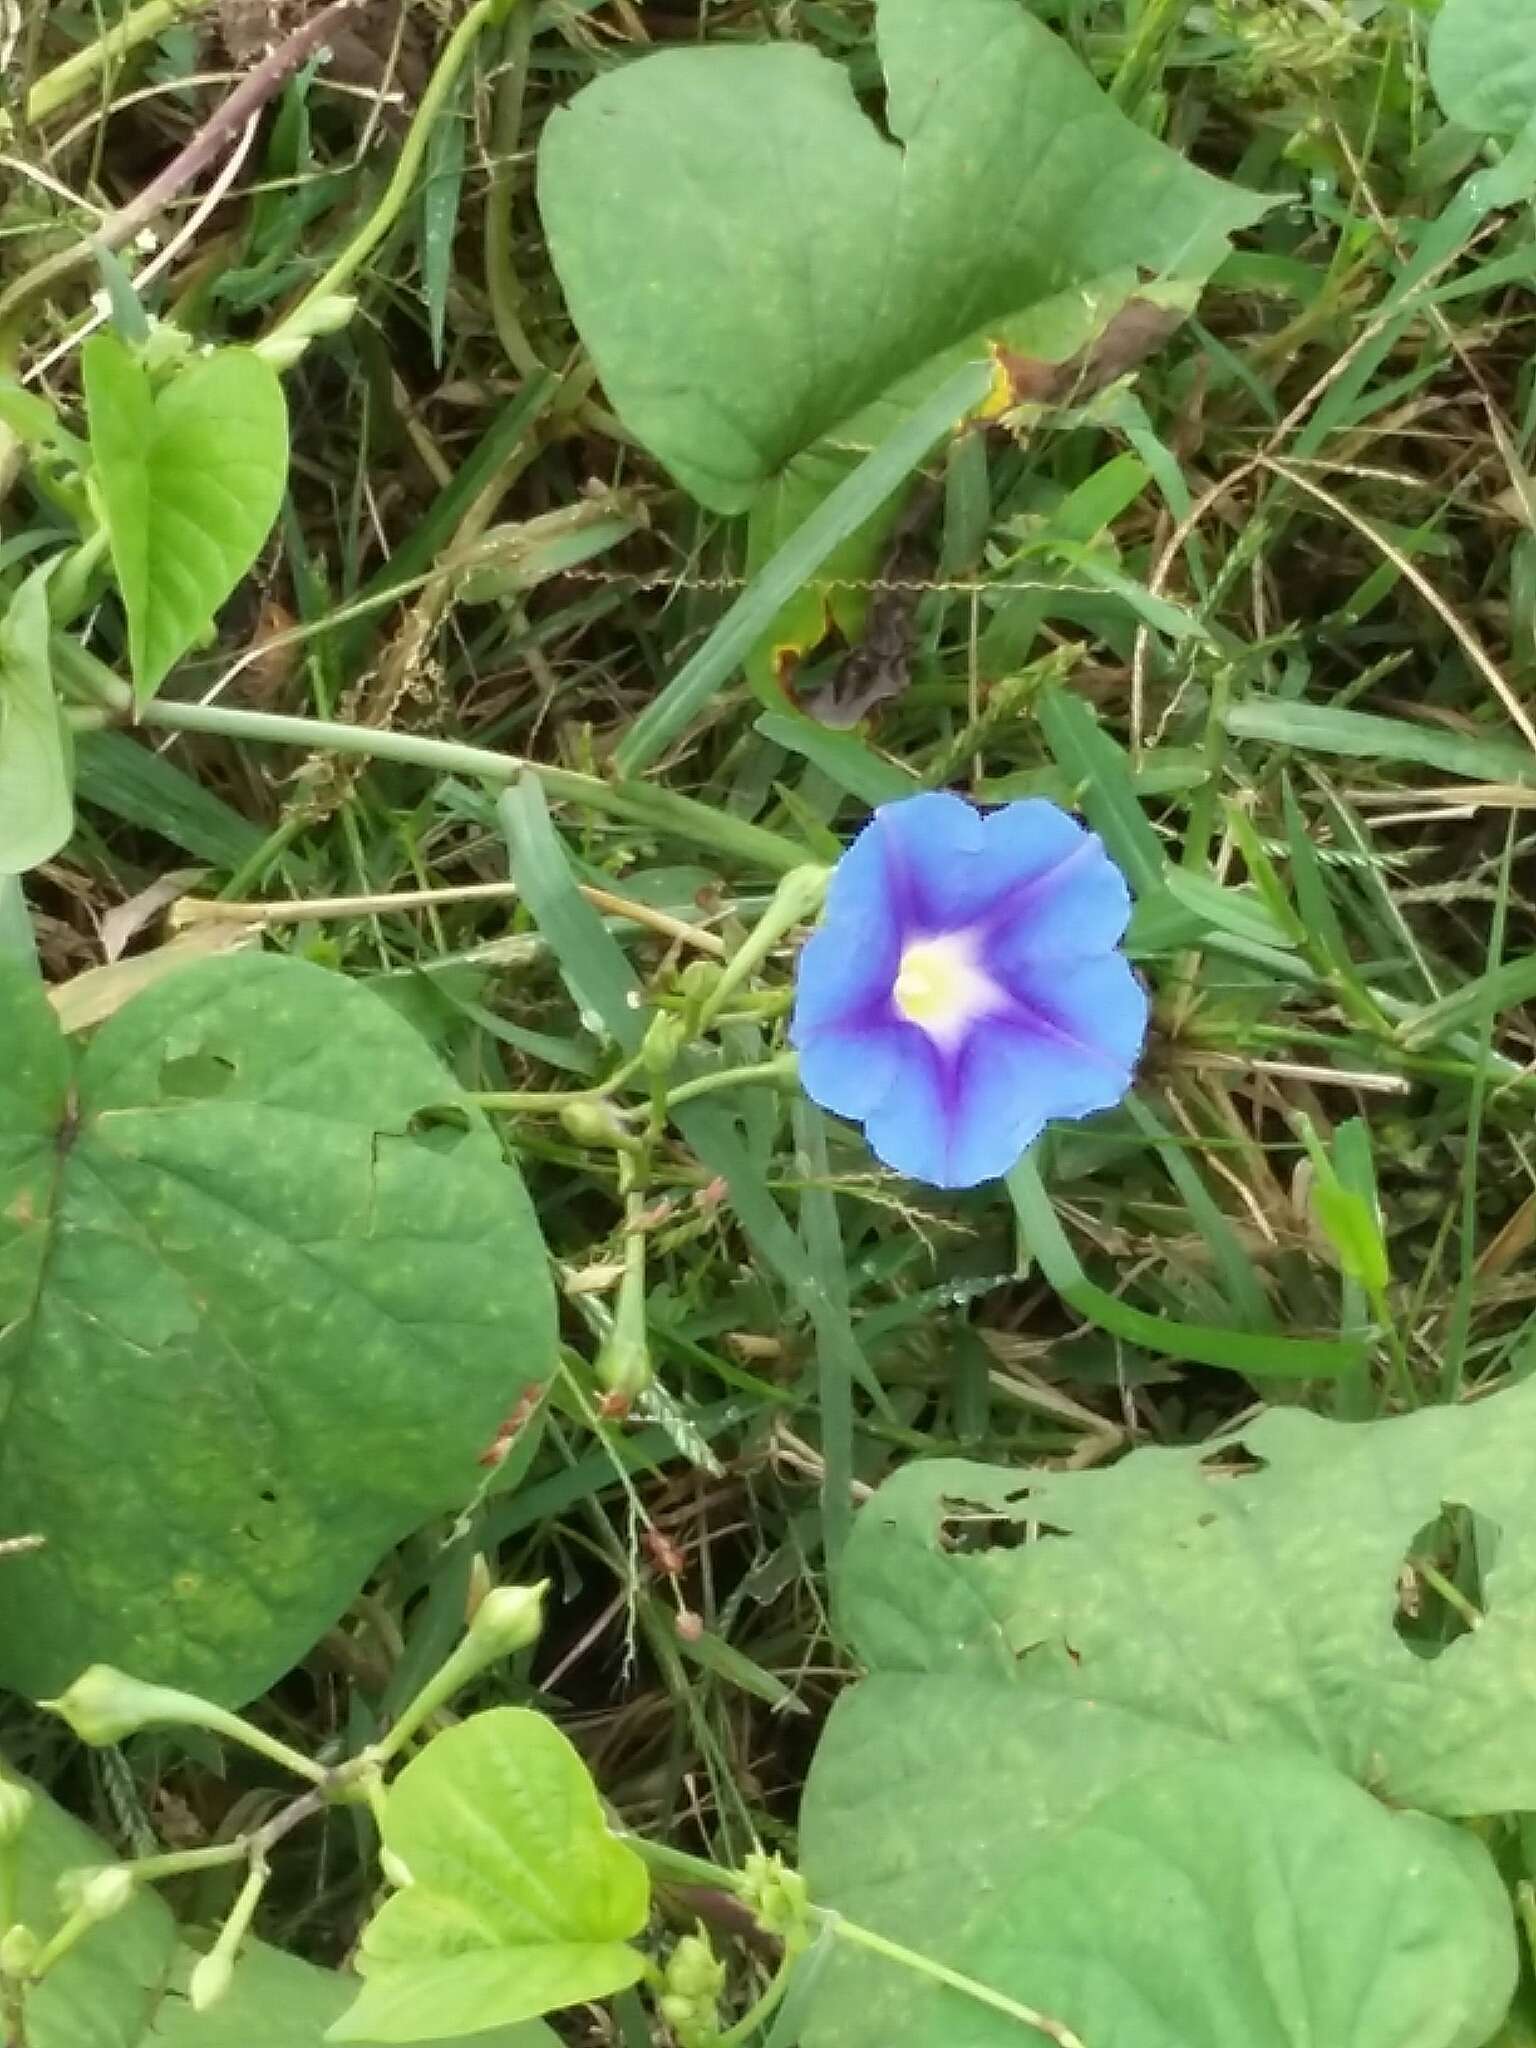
{"x":966,"y":985}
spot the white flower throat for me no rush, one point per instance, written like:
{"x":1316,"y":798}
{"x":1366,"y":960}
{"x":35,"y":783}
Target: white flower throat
{"x":942,"y":988}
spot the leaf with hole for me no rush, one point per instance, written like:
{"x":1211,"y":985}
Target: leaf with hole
{"x":751,"y":261}
{"x":1039,"y":1645}
{"x":520,"y":1900}
{"x":261,"y":1307}
{"x":37,"y":805}
{"x":189,"y":479}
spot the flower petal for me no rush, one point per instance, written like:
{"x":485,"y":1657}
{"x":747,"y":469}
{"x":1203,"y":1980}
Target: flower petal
{"x":1063,"y":896}
{"x":1089,"y":1022}
{"x":850,"y":1069}
{"x":850,"y":962}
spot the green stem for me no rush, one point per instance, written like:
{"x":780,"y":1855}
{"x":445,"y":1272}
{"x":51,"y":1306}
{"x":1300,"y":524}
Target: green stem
{"x":952,"y":1980}
{"x":402,"y":181}
{"x":181,"y":1862}
{"x":798,"y":897}
{"x":682,"y":816}
{"x":767,"y":2005}
{"x":777,"y":1072}
{"x":679,"y":1867}
{"x":67,"y":81}
{"x":506,"y":130}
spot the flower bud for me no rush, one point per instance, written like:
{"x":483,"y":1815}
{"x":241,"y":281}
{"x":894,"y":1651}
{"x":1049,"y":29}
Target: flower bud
{"x":509,"y":1618}
{"x":693,"y":1969}
{"x":778,"y":1895}
{"x":699,"y":979}
{"x":676,"y":2011}
{"x":19,"y":1948}
{"x":210,"y":1979}
{"x":594,"y":1123}
{"x":105,"y":1705}
{"x":665,"y":1037}
{"x":98,"y":1894}
{"x":395,"y":1869}
{"x":16,"y":1804}
{"x":624,"y":1368}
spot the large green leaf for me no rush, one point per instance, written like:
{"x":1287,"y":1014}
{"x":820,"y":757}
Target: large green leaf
{"x":1272,"y":1586}
{"x":256,"y":1321}
{"x":1039,"y":1643}
{"x":1482,"y":63}
{"x":751,"y":261}
{"x":520,"y":1900}
{"x":37,"y":810}
{"x":190,"y":479}
{"x":1252,"y":1899}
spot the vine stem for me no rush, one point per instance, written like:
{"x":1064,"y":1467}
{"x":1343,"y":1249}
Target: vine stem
{"x":924,"y":1966}
{"x":66,"y":82}
{"x":484,"y":14}
{"x":682,"y":816}
{"x":218,"y":132}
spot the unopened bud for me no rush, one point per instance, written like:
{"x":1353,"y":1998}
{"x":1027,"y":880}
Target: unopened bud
{"x":509,"y":1618}
{"x":19,"y":1948}
{"x":665,"y":1038}
{"x":624,"y":1368}
{"x":395,"y":1869}
{"x":16,"y":1804}
{"x":778,"y":1895}
{"x":210,"y":1979}
{"x":694,"y":1971}
{"x":594,"y":1123}
{"x":700,"y":978}
{"x":676,"y":2011}
{"x":104,"y":1705}
{"x":102,"y":1893}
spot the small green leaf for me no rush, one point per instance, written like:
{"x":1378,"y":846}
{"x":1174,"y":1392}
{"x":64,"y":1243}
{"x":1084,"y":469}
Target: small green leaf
{"x":752,"y":262}
{"x":190,"y":480}
{"x":1482,"y":64}
{"x":277,"y":2001}
{"x":232,"y":1226}
{"x":37,"y":805}
{"x":520,"y":1900}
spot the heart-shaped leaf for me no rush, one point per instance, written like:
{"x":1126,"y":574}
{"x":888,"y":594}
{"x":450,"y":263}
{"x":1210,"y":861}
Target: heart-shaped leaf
{"x":520,"y":1900}
{"x":189,"y":479}
{"x":125,"y":1985}
{"x":37,"y":807}
{"x":1272,"y":1576}
{"x":1482,"y":64}
{"x":256,"y":1321}
{"x":277,"y":2001}
{"x":751,"y":261}
{"x":1259,"y":1899}
{"x":1044,"y":1647}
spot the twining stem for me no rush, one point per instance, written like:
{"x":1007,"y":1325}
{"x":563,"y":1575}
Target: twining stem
{"x":67,"y":81}
{"x":211,"y":140}
{"x":699,"y":823}
{"x":484,"y":14}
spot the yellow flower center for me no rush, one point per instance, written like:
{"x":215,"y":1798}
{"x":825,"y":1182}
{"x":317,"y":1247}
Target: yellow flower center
{"x":940,"y":988}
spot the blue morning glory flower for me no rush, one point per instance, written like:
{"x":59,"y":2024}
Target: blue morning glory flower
{"x":966,"y":985}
